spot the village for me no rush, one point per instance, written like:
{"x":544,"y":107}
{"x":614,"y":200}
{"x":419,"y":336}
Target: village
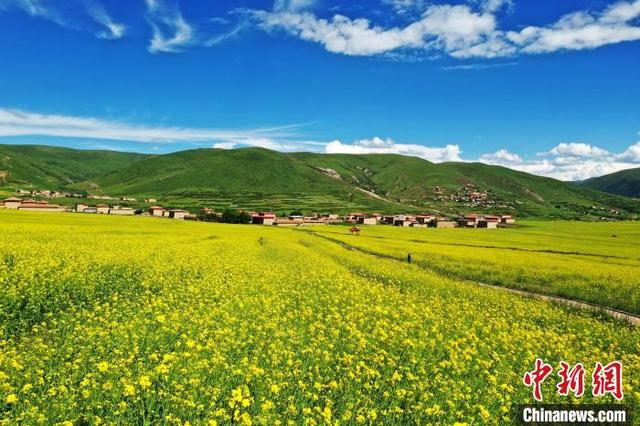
{"x":270,"y":218}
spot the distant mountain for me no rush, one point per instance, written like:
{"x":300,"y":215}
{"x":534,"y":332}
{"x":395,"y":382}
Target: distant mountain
{"x":624,"y":182}
{"x":54,"y":167}
{"x":256,"y":178}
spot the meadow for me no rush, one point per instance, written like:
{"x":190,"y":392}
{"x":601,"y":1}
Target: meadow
{"x":129,"y":320}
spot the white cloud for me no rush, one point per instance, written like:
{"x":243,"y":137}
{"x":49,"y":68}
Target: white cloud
{"x":457,"y":30}
{"x":577,"y":149}
{"x":388,"y":146}
{"x":86,"y":13}
{"x":170,"y":31}
{"x":112,"y":30}
{"x":569,"y":161}
{"x":501,"y":155}
{"x":445,"y":27}
{"x":36,"y":8}
{"x":22,"y":123}
{"x":631,"y":154}
{"x":224,"y":145}
{"x":581,"y":30}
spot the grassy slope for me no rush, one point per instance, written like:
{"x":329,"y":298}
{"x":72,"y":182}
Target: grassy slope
{"x":624,"y":182}
{"x":248,"y":177}
{"x":408,"y":179}
{"x":54,"y":168}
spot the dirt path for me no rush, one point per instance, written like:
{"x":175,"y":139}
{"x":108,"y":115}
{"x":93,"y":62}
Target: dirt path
{"x":613,"y":313}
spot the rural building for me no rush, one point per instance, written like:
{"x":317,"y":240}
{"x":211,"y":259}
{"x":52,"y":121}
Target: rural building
{"x":355,"y":217}
{"x":156,"y":211}
{"x":489,"y":222}
{"x":505,"y":218}
{"x":424,"y":219}
{"x":102,"y":209}
{"x":41,"y":206}
{"x":364,"y":220}
{"x":12,"y":203}
{"x":178,"y":214}
{"x":296,"y":218}
{"x":263,"y":218}
{"x":90,"y":209}
{"x":387,"y":220}
{"x":403,"y":220}
{"x":80,"y":207}
{"x":470,"y":221}
{"x":122,"y":211}
{"x":150,"y":200}
{"x":444,"y":223}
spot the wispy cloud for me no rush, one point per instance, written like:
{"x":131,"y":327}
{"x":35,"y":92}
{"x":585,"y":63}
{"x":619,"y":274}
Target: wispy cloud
{"x":15,"y":122}
{"x":112,"y":30}
{"x":87,"y":14}
{"x":170,"y":31}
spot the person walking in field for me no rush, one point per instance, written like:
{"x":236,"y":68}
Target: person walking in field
{"x":409,"y":258}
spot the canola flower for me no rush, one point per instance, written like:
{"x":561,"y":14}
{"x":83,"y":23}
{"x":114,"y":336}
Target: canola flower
{"x":133,"y":320}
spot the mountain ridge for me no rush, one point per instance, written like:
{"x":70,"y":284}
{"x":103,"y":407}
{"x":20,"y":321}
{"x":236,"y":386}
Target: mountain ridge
{"x":625,"y":182}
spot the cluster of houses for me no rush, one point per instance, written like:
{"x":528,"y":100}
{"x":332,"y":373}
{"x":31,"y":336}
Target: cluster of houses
{"x":270,"y":218}
{"x":15,"y":203}
{"x":155,"y":211}
{"x":415,"y":221}
{"x":470,"y":196}
{"x":46,"y":193}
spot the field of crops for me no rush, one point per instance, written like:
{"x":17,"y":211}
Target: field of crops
{"x":140,"y":320}
{"x":592,"y":262}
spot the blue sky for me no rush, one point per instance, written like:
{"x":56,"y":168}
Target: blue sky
{"x":546,"y":87}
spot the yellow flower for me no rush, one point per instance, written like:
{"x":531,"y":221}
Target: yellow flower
{"x":12,"y":398}
{"x":145,"y":382}
{"x":129,"y":390}
{"x":103,"y":366}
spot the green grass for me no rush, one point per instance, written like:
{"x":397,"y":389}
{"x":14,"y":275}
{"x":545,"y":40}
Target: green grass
{"x":48,"y":167}
{"x":624,"y":182}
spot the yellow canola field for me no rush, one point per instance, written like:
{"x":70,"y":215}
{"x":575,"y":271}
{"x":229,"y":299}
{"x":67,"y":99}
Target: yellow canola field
{"x":109,"y":320}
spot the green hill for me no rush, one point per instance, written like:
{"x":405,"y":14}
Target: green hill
{"x":624,"y":182}
{"x":260,"y":179}
{"x":51,"y":167}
